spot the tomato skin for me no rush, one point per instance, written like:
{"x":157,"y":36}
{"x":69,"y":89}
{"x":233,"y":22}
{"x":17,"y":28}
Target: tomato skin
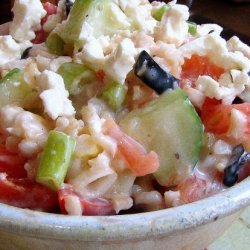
{"x":197,"y":66}
{"x":100,"y":75}
{"x":96,"y":206}
{"x":139,"y":161}
{"x":192,"y":189}
{"x":216,"y":117}
{"x":24,"y":193}
{"x":12,"y":164}
{"x":41,"y":35}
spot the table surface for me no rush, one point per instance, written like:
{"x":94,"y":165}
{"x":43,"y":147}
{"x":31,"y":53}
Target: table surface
{"x":237,"y":18}
{"x":237,"y":237}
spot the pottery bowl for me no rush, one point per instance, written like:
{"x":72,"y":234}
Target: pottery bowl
{"x":191,"y":226}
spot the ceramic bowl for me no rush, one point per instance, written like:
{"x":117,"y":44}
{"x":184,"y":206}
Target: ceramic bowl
{"x":191,"y":226}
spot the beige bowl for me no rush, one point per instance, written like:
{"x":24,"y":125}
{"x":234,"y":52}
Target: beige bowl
{"x":191,"y":226}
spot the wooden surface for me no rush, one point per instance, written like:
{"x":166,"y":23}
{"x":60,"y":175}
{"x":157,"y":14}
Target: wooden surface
{"x":235,"y":16}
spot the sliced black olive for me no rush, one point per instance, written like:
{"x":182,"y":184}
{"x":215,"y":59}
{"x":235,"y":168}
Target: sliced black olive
{"x":26,"y":53}
{"x":237,"y":161}
{"x":69,"y":5}
{"x":238,"y":100}
{"x":153,"y":75}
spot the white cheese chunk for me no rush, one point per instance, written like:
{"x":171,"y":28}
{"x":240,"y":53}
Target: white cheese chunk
{"x":9,"y":50}
{"x":27,"y":18}
{"x":173,"y":27}
{"x":235,"y":44}
{"x":54,"y":95}
{"x":215,"y":48}
{"x":121,"y":62}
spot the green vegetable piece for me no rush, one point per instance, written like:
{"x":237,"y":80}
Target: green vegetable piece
{"x":74,"y":75}
{"x":170,"y":126}
{"x":55,"y":160}
{"x":98,"y":15}
{"x":13,"y":75}
{"x":114,"y":94}
{"x":55,"y":44}
{"x":13,"y":89}
{"x":160,"y":12}
{"x":192,"y":28}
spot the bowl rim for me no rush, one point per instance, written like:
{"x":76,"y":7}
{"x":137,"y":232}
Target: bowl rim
{"x":125,"y":227}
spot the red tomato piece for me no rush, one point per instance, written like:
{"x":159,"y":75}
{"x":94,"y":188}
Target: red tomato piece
{"x":192,"y":189}
{"x":100,"y":75}
{"x":244,"y":108}
{"x":97,"y":206}
{"x":41,"y":34}
{"x":12,"y":164}
{"x":197,"y":66}
{"x":244,"y":172}
{"x":139,"y":161}
{"x":24,"y":193}
{"x":215,"y":116}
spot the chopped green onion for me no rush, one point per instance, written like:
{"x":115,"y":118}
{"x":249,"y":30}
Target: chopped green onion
{"x":55,"y":160}
{"x":13,"y":75}
{"x":160,"y":12}
{"x":55,"y":44}
{"x":114,"y":94}
{"x":192,"y":28}
{"x":73,"y":75}
{"x":13,"y":89}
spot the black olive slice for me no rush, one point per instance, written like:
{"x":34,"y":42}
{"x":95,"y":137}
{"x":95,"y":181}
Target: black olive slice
{"x":237,"y":161}
{"x":153,"y":75}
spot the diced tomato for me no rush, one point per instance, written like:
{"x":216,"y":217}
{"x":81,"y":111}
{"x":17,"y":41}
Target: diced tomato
{"x":192,"y":189}
{"x":24,"y":193}
{"x":244,"y":172}
{"x":12,"y":164}
{"x":97,"y":206}
{"x":139,"y":161}
{"x":197,"y":66}
{"x":100,"y":75}
{"x":216,"y":116}
{"x":41,"y":34}
{"x":244,"y":108}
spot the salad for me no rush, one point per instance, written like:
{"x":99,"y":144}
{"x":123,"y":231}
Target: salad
{"x":119,"y":106}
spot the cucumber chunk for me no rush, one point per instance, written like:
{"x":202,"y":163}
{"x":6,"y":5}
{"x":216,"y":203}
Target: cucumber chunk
{"x":171,"y":127}
{"x":74,"y":76}
{"x":13,"y":89}
{"x":93,"y":17}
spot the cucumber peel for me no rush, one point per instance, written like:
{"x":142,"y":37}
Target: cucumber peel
{"x":97,"y":17}
{"x":171,"y":127}
{"x":13,"y":89}
{"x":74,"y":75}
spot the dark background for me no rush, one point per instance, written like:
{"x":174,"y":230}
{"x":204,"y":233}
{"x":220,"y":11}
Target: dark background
{"x":230,"y":14}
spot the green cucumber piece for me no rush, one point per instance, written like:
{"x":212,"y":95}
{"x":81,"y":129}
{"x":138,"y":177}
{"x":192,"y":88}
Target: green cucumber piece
{"x":160,"y":12}
{"x":192,"y":28}
{"x":55,"y":160}
{"x":13,"y":89}
{"x":75,"y":75}
{"x":114,"y":94}
{"x":98,"y":16}
{"x":55,"y":44}
{"x":171,"y":127}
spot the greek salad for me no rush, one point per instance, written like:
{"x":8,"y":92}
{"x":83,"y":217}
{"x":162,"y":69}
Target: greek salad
{"x":119,"y":106}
